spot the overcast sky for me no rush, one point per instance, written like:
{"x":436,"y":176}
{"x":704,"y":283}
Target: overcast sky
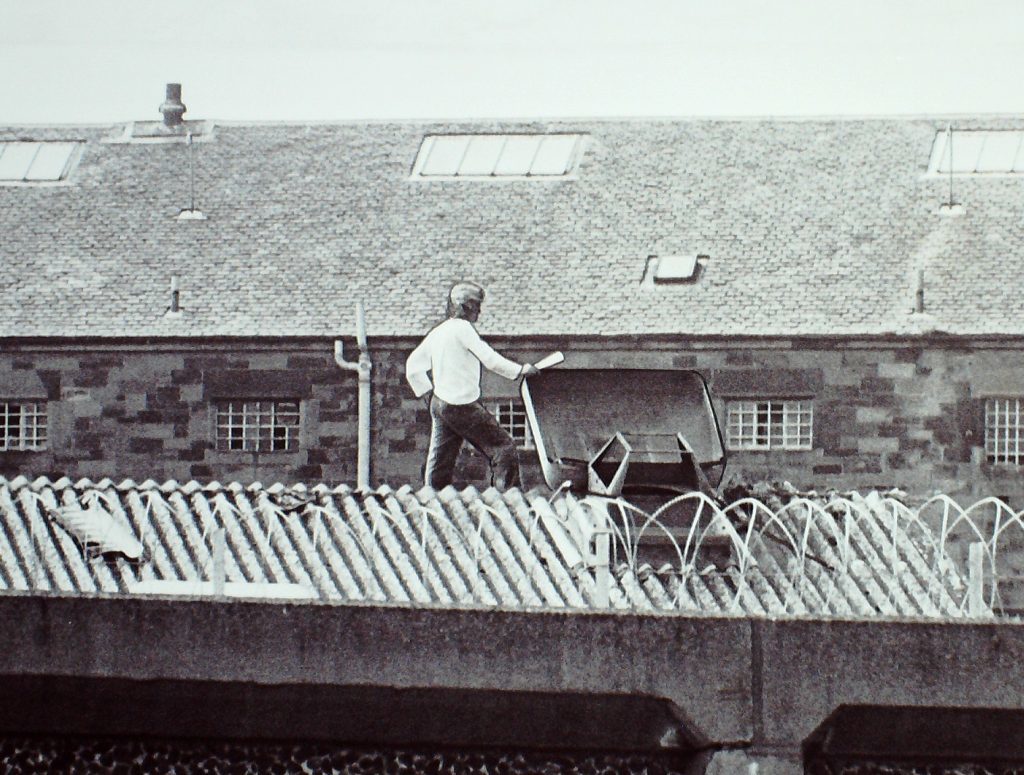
{"x":71,"y":61}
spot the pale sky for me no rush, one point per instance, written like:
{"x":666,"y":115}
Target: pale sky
{"x":95,"y":61}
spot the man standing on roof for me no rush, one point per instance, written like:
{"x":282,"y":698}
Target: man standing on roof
{"x":452,"y":352}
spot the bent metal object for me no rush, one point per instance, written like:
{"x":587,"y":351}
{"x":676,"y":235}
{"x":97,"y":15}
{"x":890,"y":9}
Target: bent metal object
{"x":620,"y":431}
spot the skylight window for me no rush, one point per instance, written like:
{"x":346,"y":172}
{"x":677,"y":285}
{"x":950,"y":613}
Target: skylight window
{"x":497,"y":156}
{"x":978,"y":152}
{"x":35,"y":162}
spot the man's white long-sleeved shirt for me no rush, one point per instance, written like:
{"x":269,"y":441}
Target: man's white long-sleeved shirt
{"x":452,"y":352}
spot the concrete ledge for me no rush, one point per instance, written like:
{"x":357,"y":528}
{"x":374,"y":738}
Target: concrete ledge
{"x":805,"y":670}
{"x":665,"y":667}
{"x":479,"y":676}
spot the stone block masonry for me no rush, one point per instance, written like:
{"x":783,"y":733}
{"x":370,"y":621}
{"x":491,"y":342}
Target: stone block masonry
{"x":149,"y":411}
{"x":885,"y":414}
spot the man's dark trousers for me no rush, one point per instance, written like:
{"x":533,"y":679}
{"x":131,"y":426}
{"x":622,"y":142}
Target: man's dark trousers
{"x":454,"y":423}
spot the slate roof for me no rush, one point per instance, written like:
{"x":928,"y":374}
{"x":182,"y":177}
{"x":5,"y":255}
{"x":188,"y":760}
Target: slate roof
{"x":448,"y":548}
{"x":811,"y":227}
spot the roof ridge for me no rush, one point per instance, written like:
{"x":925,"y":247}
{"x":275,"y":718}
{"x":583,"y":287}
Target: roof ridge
{"x":784,"y":118}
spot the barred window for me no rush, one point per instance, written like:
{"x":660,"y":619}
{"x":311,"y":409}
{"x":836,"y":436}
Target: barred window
{"x":769,"y":424}
{"x":1004,"y":440}
{"x":511,"y":415}
{"x":23,"y":425}
{"x":258,"y":425}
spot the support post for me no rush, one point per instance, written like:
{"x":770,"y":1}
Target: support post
{"x":219,"y":572}
{"x":975,"y":579}
{"x":602,"y":572}
{"x":599,"y":557}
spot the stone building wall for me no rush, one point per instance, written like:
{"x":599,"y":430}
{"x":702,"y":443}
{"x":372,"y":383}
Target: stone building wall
{"x":885,"y":414}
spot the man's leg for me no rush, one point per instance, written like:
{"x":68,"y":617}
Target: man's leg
{"x":445,"y":443}
{"x":478,"y":426}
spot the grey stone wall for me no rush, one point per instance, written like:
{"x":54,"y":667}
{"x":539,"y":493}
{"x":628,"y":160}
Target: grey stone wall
{"x":885,"y":414}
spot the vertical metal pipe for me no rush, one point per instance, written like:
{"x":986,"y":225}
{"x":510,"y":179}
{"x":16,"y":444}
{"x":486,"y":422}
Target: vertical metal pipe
{"x":949,"y":141}
{"x":363,"y":368}
{"x":191,"y":177}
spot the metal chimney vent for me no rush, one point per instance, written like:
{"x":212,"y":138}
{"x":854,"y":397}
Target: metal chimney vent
{"x":172,"y":129}
{"x":173,"y":108}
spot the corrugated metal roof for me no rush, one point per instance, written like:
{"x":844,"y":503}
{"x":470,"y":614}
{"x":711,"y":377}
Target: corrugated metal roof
{"x":811,"y":227}
{"x":448,"y":548}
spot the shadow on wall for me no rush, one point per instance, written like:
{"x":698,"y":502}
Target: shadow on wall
{"x":862,"y":738}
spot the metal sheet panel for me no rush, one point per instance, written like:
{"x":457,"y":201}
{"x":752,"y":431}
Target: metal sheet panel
{"x":555,"y":154}
{"x":999,"y":151}
{"x":443,"y":154}
{"x":51,"y":162}
{"x":16,"y":159}
{"x":518,"y":155}
{"x":482,"y":155}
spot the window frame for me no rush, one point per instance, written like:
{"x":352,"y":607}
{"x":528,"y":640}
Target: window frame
{"x":991,"y":444}
{"x":508,"y":411}
{"x":743,"y":436}
{"x":941,"y":141}
{"x":32,"y":436}
{"x":65,"y":175}
{"x":428,"y":142}
{"x":222,"y":432}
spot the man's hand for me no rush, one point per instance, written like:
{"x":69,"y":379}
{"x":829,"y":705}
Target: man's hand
{"x":529,"y":370}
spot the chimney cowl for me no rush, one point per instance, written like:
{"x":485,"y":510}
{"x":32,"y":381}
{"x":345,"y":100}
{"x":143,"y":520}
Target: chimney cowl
{"x":172,"y":107}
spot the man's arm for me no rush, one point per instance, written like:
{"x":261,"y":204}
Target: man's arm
{"x":490,"y":357}
{"x":416,"y":368}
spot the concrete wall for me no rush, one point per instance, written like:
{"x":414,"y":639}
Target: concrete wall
{"x":884,"y":414}
{"x":729,"y":687}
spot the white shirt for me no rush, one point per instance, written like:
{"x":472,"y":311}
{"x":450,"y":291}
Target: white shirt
{"x":452,"y":352}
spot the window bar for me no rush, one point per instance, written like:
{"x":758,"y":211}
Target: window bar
{"x":497,"y":158}
{"x":32,"y":161}
{"x":1005,"y":431}
{"x":1016,"y":431}
{"x":431,"y":143}
{"x":462,"y":159}
{"x":533,"y":159}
